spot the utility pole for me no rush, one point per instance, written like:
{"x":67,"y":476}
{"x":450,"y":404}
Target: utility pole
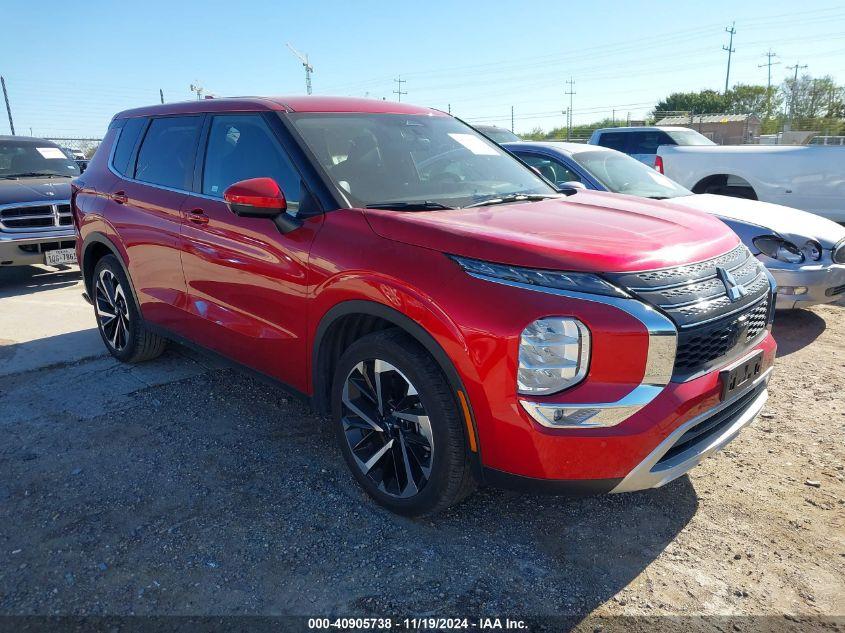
{"x":449,"y":108}
{"x":570,"y":92}
{"x":730,"y":48}
{"x":796,"y":68}
{"x":400,"y":92}
{"x":308,"y":67}
{"x":161,"y":95}
{"x":511,"y":118}
{"x":8,"y":107}
{"x":196,"y":87}
{"x":769,"y":63}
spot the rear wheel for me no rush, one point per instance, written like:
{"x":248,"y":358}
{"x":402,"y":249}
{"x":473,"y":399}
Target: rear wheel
{"x":118,"y":317}
{"x":399,"y":426}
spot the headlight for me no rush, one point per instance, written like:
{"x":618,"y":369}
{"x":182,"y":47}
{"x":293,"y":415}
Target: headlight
{"x":576,"y":282}
{"x":554,"y":354}
{"x":812,"y":250}
{"x":839,"y":253}
{"x":778,"y":248}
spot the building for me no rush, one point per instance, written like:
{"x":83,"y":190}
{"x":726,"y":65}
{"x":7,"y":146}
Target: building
{"x":724,"y":129}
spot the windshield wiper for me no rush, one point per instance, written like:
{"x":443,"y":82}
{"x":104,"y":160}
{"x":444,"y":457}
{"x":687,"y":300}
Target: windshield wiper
{"x":37,"y":174}
{"x":423,"y":205}
{"x":515,"y":197}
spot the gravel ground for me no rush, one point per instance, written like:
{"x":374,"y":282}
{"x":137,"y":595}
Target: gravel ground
{"x":184,"y":488}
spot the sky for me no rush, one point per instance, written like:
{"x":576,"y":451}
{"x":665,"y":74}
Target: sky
{"x":69,"y":66}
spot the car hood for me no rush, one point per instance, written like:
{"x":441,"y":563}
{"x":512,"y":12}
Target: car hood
{"x":792,"y":224}
{"x":34,"y":190}
{"x":588,"y":231}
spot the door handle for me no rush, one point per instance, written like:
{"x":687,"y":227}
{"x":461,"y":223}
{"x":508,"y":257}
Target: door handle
{"x":197,"y":216}
{"x":120,"y":197}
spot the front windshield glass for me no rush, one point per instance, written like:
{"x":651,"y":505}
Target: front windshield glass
{"x":622,"y":174}
{"x":689,"y":137}
{"x":27,"y":159}
{"x":396,"y":158}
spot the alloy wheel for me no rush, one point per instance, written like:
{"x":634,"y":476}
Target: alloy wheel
{"x":112,"y":310}
{"x":387,"y":428}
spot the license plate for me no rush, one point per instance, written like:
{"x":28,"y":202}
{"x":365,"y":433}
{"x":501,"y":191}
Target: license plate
{"x":60,"y":256}
{"x":741,"y":375}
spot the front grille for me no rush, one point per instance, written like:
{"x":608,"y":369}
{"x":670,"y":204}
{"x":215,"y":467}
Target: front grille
{"x":710,"y":426}
{"x":836,"y":290}
{"x":839,"y":253}
{"x":35,"y":216}
{"x":712,"y":324}
{"x":43,"y":247}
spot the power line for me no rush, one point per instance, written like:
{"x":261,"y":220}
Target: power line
{"x":400,"y":92}
{"x":730,"y":48}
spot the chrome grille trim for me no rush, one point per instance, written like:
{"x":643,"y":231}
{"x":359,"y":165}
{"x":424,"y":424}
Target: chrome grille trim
{"x":25,"y":217}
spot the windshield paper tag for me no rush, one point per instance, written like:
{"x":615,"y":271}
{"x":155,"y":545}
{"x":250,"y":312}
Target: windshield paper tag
{"x":475,"y":144}
{"x":51,"y":152}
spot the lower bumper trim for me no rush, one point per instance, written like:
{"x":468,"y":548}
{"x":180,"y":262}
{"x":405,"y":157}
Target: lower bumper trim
{"x":655,"y":471}
{"x":562,"y":487}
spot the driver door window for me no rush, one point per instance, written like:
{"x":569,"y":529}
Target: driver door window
{"x":241,"y":147}
{"x":551,"y":169}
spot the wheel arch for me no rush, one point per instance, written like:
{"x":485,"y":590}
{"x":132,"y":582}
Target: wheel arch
{"x":348,"y":321}
{"x":94,"y":247}
{"x":721,"y":180}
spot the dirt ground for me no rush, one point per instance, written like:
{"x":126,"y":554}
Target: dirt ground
{"x":182,"y":488}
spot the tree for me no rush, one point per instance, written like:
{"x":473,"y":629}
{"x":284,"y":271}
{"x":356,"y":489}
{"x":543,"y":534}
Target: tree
{"x":751,"y":99}
{"x":703,"y":101}
{"x":810,"y":98}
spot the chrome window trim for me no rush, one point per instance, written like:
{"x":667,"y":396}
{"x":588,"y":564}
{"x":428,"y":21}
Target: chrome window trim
{"x":659,"y":366}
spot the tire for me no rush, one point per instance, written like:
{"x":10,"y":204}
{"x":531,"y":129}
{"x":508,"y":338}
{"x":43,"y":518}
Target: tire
{"x":413,"y":465}
{"x":118,"y":317}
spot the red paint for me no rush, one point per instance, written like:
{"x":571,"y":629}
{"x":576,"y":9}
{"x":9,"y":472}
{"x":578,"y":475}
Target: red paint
{"x":241,"y":287}
{"x":263,"y":193}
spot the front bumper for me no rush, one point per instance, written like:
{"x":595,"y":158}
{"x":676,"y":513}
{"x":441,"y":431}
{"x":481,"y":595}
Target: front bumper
{"x":824,"y":283}
{"x":12,"y":255}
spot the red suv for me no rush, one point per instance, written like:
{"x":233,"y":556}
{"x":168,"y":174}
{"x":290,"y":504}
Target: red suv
{"x":459,"y":319}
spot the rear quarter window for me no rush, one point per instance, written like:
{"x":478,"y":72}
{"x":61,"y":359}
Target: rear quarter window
{"x":613,"y":140}
{"x":126,"y":142}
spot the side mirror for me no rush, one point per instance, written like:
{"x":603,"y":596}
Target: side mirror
{"x":255,"y":198}
{"x":260,"y":198}
{"x":571,"y":184}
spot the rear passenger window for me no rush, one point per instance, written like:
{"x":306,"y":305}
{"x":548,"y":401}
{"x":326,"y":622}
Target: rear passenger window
{"x":551,"y":169}
{"x":613,"y":140}
{"x":648,"y":142}
{"x":126,"y":144}
{"x":167,"y":152}
{"x":242,"y":146}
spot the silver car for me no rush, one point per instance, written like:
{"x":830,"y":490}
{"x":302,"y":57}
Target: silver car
{"x":804,"y":252}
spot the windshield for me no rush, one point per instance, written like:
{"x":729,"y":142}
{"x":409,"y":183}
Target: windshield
{"x":27,"y":159}
{"x":622,"y":174}
{"x":498,"y":134}
{"x":394,"y":158}
{"x":689,"y":137}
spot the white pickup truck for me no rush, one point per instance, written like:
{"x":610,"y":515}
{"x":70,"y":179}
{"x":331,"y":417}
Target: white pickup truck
{"x":806,"y":177}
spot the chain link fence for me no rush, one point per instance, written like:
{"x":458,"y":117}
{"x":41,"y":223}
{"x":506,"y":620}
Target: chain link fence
{"x":85,"y":145}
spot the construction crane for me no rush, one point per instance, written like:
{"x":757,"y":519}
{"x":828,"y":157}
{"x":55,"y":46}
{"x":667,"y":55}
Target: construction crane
{"x":308,"y":67}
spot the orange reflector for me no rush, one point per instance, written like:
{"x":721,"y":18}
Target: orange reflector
{"x":468,"y":421}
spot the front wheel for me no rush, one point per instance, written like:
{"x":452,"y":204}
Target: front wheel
{"x":399,"y":426}
{"x":118,"y":317}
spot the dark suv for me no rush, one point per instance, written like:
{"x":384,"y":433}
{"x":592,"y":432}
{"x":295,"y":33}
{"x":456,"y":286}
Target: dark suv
{"x":458,"y":318}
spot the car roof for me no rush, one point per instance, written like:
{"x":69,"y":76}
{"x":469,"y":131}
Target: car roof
{"x":33,"y":140}
{"x":559,"y":146}
{"x":280,"y":104}
{"x":643,"y":128}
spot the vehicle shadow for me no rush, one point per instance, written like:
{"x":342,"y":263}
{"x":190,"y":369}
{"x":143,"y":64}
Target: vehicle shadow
{"x":21,"y":280}
{"x":795,"y":329}
{"x":218,"y":494}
